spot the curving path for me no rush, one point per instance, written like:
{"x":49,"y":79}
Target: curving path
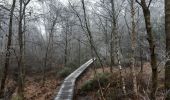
{"x":66,"y":91}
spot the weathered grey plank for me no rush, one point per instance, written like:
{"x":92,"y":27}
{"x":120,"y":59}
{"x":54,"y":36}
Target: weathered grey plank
{"x":66,"y":91}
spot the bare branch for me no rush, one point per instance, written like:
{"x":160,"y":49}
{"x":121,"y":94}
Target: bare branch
{"x":3,"y":7}
{"x":26,"y":3}
{"x":149,"y":3}
{"x":78,"y":16}
{"x":139,"y":3}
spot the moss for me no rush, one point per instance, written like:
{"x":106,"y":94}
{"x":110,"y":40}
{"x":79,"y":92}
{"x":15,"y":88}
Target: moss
{"x":16,"y":98}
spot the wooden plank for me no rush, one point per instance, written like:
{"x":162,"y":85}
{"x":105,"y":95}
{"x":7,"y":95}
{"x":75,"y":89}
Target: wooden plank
{"x":66,"y":91}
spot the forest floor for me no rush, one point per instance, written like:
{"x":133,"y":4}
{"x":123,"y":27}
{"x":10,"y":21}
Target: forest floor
{"x":35,"y":89}
{"x":143,"y":80}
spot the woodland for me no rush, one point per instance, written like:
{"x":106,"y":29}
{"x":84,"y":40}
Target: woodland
{"x":44,"y":41}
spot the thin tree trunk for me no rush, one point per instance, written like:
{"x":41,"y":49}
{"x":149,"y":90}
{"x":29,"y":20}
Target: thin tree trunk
{"x":167,"y":30}
{"x":93,"y":49}
{"x":7,"y":58}
{"x":112,"y":35}
{"x":66,"y":46}
{"x":46,"y":59}
{"x":119,"y":65}
{"x":22,"y":9}
{"x":133,"y":47}
{"x":141,"y":59}
{"x":49,"y":48}
{"x":79,"y":52}
{"x":20,"y":60}
{"x":90,"y":36}
{"x":45,"y":64}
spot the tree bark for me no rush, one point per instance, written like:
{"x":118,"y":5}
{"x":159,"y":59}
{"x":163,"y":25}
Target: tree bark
{"x":20,"y":60}
{"x":112,"y":35}
{"x":133,"y":47}
{"x":66,"y":45}
{"x":118,"y":52}
{"x":167,"y":31}
{"x":141,"y":59}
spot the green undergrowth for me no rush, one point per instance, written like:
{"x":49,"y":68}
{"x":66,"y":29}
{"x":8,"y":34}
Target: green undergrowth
{"x":65,"y":72}
{"x":93,"y":84}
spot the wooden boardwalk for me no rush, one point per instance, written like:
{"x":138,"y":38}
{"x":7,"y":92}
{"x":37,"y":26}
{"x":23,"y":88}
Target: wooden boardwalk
{"x":66,"y":91}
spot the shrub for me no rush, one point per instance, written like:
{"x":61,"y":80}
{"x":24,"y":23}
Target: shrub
{"x":65,"y":72}
{"x":17,"y":97}
{"x":92,"y":84}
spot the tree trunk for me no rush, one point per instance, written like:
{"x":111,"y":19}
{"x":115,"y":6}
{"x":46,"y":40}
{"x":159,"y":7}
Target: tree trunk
{"x":79,"y":50}
{"x":133,"y":47}
{"x":22,"y":9}
{"x":167,"y":30}
{"x":45,"y":63}
{"x":112,"y":35}
{"x":118,"y":52}
{"x":20,"y":60}
{"x":141,"y":59}
{"x":66,"y":46}
{"x":147,"y":16}
{"x":153,"y":56}
{"x":7,"y":58}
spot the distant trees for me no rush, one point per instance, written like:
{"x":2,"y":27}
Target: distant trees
{"x":167,"y":31}
{"x":50,"y":22}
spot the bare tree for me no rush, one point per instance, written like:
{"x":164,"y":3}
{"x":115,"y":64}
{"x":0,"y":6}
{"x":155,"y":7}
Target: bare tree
{"x":22,"y":8}
{"x":90,"y":35}
{"x":8,"y":48}
{"x":50,"y":21}
{"x":133,"y":47}
{"x":147,"y":16}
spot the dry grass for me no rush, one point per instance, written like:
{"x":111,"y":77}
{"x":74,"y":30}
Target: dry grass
{"x":34,"y":90}
{"x":144,"y":83}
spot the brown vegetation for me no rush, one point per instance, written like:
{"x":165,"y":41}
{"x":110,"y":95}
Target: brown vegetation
{"x":34,"y":90}
{"x":114,"y":90}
